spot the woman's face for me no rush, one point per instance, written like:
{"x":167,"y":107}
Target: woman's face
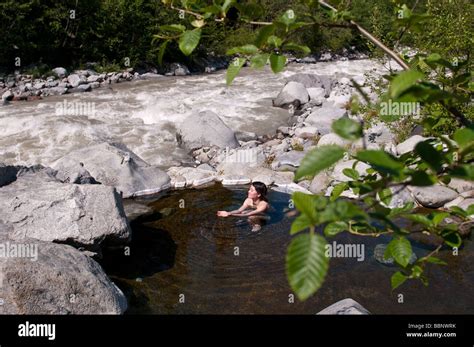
{"x":252,"y":193}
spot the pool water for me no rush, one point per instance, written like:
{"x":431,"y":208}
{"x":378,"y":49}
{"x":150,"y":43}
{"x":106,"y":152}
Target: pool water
{"x":183,"y":259}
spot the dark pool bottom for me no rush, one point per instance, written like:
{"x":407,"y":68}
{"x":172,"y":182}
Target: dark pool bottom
{"x":185,"y":260}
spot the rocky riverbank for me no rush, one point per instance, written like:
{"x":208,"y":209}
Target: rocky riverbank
{"x":73,"y":207}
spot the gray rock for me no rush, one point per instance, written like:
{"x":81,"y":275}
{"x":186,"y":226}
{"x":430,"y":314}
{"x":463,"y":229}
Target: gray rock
{"x":316,"y":93}
{"x":401,"y":195}
{"x":113,"y":164}
{"x":460,"y":185}
{"x":345,"y":306}
{"x":332,"y":139}
{"x":39,"y":85}
{"x":205,"y":129}
{"x":379,"y":133}
{"x":60,"y":72}
{"x":59,"y":280}
{"x":42,"y":208}
{"x":292,"y":92}
{"x":179,"y":69}
{"x":245,"y":136}
{"x":7,"y":96}
{"x":434,"y":196}
{"x":313,"y":81}
{"x":288,"y":161}
{"x":75,"y":80}
{"x":322,"y":118}
{"x":52,"y":84}
{"x":320,"y":183}
{"x":95,"y":85}
{"x":230,"y":180}
{"x":306,"y":132}
{"x":150,"y":76}
{"x":206,"y":167}
{"x":338,"y":175}
{"x":194,"y":177}
{"x":55,"y":91}
{"x":409,"y":144}
{"x":84,"y":87}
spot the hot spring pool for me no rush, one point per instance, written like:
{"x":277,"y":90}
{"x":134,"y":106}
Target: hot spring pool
{"x":185,"y":260}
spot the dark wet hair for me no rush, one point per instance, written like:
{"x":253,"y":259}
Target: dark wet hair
{"x":261,"y":188}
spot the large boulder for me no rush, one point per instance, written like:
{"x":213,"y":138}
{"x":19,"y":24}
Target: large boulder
{"x":322,"y":118}
{"x":292,"y":92}
{"x":345,"y":307}
{"x":113,"y":164}
{"x":60,"y":72}
{"x":409,"y":144}
{"x":288,"y":161}
{"x":40,"y":207}
{"x":52,"y":278}
{"x":434,"y":196}
{"x":205,"y":129}
{"x":338,"y":175}
{"x":76,"y":80}
{"x":313,"y":81}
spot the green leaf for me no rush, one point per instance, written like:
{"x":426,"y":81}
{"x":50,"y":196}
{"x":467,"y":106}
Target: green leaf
{"x":189,"y":41}
{"x":259,"y":61}
{"x":234,"y":68}
{"x":403,"y":81}
{"x":337,"y":191}
{"x":245,"y":49}
{"x":435,"y":260}
{"x":430,"y":155}
{"x":173,"y":27}
{"x":351,"y":173}
{"x":288,"y":17}
{"x":400,"y":249}
{"x":451,"y":238}
{"x":420,"y":218}
{"x":290,"y":46}
{"x":422,"y":179}
{"x":274,"y":41}
{"x":470,"y":210}
{"x":458,"y":211}
{"x":301,"y":222}
{"x":263,"y":35}
{"x":306,"y":264}
{"x":381,"y":161}
{"x":340,"y":210}
{"x":438,"y":217}
{"x":464,"y":137}
{"x":347,"y":128}
{"x":385,"y":196}
{"x":306,"y":204}
{"x":397,"y":279}
{"x":335,"y":228}
{"x":277,"y":62}
{"x":319,"y":159}
{"x":464,"y":171}
{"x":161,"y":51}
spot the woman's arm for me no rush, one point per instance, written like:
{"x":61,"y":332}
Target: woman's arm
{"x":260,"y":209}
{"x":235,"y":212}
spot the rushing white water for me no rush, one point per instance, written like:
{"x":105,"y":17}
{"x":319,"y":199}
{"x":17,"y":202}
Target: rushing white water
{"x":144,"y":114}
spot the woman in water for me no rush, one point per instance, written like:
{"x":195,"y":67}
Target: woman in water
{"x":256,"y":200}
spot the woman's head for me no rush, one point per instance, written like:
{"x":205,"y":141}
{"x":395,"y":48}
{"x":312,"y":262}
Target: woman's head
{"x":258,"y":190}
